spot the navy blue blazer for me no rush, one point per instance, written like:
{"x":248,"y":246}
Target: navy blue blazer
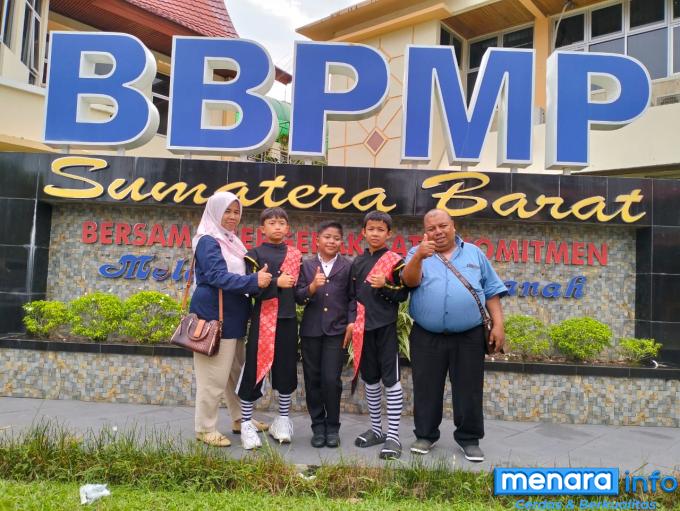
{"x":211,"y":273}
{"x":327,"y":311}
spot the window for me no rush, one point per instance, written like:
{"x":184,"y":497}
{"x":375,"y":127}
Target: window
{"x":523,"y":38}
{"x":607,"y":21}
{"x":6,"y":14}
{"x":161,"y":91}
{"x":30,"y":46}
{"x":648,"y":30}
{"x":644,"y":12}
{"x":447,"y":38}
{"x":569,"y":31}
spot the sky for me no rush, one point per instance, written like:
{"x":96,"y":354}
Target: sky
{"x":272,"y":23}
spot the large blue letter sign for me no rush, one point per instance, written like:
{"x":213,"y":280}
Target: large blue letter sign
{"x":570,"y":111}
{"x":505,"y":79}
{"x":123,"y":115}
{"x":314,"y":103}
{"x":197,"y":99}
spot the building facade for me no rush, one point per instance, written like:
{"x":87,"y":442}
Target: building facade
{"x":648,"y":30}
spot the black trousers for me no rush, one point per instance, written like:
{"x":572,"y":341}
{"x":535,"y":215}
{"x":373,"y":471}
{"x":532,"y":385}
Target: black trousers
{"x":322,"y":359}
{"x":380,"y":356}
{"x":461,"y":355}
{"x":284,"y":366}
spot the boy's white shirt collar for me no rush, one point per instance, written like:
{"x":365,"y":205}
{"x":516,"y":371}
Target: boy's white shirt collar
{"x":327,"y":266}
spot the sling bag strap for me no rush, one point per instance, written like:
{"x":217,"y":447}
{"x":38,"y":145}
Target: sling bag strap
{"x":185,"y":298}
{"x":485,"y":317}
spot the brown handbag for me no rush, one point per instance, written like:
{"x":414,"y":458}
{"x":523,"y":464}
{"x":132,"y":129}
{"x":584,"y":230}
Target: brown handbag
{"x":486,"y":319}
{"x":194,"y":334}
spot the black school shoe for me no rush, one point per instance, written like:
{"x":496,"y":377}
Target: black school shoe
{"x":318,"y":440}
{"x":369,"y":439}
{"x":472,"y":453}
{"x":391,"y":451}
{"x":332,"y":440}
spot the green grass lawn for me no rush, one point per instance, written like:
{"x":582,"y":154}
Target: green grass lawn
{"x":43,"y":467}
{"x":52,"y":496}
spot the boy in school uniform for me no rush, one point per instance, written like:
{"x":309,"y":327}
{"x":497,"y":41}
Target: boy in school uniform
{"x":376,"y":285}
{"x":323,"y":288}
{"x":272,"y":337}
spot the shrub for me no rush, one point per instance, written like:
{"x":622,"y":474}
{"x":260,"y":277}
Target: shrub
{"x":95,"y":315}
{"x":581,"y":338}
{"x":42,"y":317}
{"x":150,"y":317}
{"x":404,"y":325}
{"x":638,"y":350}
{"x":526,"y":336}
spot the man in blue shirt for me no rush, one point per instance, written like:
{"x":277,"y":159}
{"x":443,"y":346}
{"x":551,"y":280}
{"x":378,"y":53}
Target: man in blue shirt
{"x":447,"y":335}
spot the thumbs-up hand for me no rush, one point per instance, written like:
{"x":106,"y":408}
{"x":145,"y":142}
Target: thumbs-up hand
{"x":426,"y":247}
{"x":285,"y":280}
{"x":319,"y":280}
{"x":264,"y":278}
{"x":378,"y":280}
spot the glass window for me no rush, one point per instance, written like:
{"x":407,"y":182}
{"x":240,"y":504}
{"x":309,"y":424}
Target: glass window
{"x":676,"y":8}
{"x":676,"y":50}
{"x":644,"y":12}
{"x":651,"y":48}
{"x":6,"y":23}
{"x":613,"y":46}
{"x":607,"y":20}
{"x":160,"y":92}
{"x":471,"y":79}
{"x":519,"y":39}
{"x":570,"y":31}
{"x":102,"y":68}
{"x":478,"y":49}
{"x":30,"y":48}
{"x":446,"y":38}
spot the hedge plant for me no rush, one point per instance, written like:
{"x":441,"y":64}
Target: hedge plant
{"x":526,"y":336}
{"x":639,"y":350}
{"x":95,"y":315}
{"x":150,"y":316}
{"x":581,"y":339}
{"x":42,"y":318}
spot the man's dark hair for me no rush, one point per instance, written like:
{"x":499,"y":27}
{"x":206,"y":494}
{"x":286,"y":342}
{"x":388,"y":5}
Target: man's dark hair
{"x":378,"y":216}
{"x":273,"y":213}
{"x":329,"y":224}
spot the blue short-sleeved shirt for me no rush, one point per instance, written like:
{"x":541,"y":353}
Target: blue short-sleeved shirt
{"x":441,"y":303}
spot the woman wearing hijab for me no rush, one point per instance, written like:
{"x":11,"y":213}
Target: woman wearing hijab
{"x":218,"y":256}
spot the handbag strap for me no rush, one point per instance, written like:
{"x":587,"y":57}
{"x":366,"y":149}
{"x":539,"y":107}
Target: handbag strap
{"x":185,"y":298}
{"x":485,"y":317}
{"x":188,"y":284}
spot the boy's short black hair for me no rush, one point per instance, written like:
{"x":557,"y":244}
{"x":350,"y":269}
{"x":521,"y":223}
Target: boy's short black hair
{"x":273,"y":213}
{"x":378,"y":216}
{"x":329,"y":224}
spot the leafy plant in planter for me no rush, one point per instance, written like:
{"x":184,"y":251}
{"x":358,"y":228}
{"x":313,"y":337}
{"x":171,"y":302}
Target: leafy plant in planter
{"x":581,"y":339}
{"x":43,"y":318}
{"x":404,"y":325}
{"x":95,"y":315}
{"x":150,"y":316}
{"x":526,"y":336}
{"x":639,"y":350}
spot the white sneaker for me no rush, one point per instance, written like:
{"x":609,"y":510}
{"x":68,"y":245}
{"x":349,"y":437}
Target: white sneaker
{"x":249,"y":437}
{"x":282,"y":430}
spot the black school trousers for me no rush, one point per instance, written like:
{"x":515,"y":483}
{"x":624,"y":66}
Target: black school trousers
{"x":461,"y":355}
{"x":322,"y":359}
{"x":284,"y":366}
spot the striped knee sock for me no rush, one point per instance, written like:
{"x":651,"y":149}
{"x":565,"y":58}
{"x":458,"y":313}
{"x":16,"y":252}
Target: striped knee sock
{"x":284,"y":404}
{"x":374,"y":399}
{"x":246,"y":410}
{"x":395,"y":403}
